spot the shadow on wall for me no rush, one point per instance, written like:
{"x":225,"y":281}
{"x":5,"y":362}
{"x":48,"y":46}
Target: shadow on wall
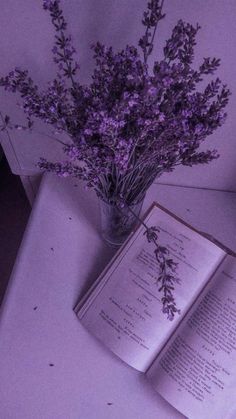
{"x":14,"y":214}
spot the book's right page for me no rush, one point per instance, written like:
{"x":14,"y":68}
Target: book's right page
{"x":196,"y":372}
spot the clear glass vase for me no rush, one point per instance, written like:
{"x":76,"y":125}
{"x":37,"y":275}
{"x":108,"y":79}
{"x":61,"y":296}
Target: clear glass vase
{"x":117,"y":223}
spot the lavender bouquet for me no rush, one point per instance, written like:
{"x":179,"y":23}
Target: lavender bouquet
{"x":131,"y":123}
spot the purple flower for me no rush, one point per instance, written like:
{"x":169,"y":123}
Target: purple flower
{"x":152,"y":91}
{"x":132,"y":121}
{"x":161,"y":117}
{"x":48,"y":4}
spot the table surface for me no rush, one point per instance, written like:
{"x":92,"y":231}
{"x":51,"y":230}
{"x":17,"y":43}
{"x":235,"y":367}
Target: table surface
{"x":50,"y":366}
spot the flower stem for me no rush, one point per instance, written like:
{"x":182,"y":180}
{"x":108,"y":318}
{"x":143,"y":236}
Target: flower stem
{"x":167,"y":269}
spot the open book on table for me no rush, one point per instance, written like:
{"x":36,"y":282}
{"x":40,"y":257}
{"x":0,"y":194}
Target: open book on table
{"x":191,"y":360}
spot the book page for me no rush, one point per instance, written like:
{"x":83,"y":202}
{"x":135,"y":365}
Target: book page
{"x":125,"y":310}
{"x":196,"y":372}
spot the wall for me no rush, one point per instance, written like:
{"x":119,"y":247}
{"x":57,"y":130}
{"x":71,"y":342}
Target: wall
{"x":26,"y":39}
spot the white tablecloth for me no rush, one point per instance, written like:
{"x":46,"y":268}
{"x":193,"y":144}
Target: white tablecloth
{"x":50,"y":366}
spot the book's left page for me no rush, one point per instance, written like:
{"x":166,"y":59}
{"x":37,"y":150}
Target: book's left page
{"x":124,"y":310}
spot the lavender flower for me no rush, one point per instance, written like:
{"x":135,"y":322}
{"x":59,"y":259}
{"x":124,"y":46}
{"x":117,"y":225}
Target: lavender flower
{"x":131,"y":124}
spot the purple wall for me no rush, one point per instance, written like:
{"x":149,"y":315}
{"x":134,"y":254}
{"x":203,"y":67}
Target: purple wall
{"x":27,"y":38}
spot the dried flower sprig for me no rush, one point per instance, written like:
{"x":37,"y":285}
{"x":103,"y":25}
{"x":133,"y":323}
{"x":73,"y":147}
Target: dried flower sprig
{"x":151,"y":17}
{"x":167,"y":275}
{"x":167,"y":270}
{"x":130,"y":124}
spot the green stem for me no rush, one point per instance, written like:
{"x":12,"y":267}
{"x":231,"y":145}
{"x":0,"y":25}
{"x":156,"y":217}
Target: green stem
{"x":50,"y":136}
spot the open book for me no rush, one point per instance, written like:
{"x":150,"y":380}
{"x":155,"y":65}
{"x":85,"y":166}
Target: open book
{"x":191,"y":360}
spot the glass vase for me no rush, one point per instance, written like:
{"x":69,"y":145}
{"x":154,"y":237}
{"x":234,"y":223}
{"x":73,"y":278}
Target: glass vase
{"x":117,"y":223}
